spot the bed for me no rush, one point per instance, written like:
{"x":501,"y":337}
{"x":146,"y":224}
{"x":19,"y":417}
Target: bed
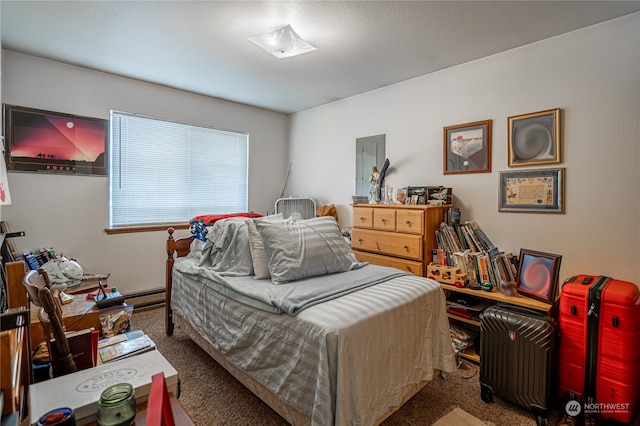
{"x":286,"y":308}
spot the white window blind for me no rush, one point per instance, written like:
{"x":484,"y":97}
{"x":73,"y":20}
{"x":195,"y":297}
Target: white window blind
{"x":164,"y":172}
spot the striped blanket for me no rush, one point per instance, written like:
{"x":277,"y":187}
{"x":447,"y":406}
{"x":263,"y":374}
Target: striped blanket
{"x":341,"y":362}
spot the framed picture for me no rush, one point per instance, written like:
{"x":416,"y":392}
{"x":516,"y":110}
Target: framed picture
{"x":538,"y":191}
{"x":538,"y":275}
{"x":467,"y":148}
{"x":53,"y":142}
{"x":534,"y":138}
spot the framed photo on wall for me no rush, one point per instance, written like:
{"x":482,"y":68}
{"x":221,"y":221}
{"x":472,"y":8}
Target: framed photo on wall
{"x":534,"y":138}
{"x":53,"y":142}
{"x":538,"y":274}
{"x":467,"y":148}
{"x":532,"y":191}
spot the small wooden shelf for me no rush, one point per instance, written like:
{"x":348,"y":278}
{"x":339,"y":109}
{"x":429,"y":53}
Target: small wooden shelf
{"x":472,"y":321}
{"x":499,"y":297}
{"x":470,"y":352}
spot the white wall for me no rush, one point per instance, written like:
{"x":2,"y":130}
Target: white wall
{"x":70,"y":213}
{"x":592,"y":74}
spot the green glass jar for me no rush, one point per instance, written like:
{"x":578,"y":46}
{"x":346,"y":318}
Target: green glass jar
{"x":117,"y":406}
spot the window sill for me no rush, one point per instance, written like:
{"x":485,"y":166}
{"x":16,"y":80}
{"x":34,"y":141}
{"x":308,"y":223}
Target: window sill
{"x":147,"y":228}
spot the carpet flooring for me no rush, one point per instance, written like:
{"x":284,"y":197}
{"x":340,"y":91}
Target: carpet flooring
{"x":457,"y":417}
{"x":213,"y":397}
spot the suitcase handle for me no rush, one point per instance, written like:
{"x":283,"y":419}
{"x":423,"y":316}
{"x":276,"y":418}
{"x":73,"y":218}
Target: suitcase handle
{"x":585,"y":281}
{"x":520,"y":309}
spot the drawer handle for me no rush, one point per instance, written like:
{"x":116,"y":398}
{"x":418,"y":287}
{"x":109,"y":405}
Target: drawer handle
{"x":406,"y":247}
{"x":408,"y":222}
{"x":361,"y":219}
{"x":360,"y":240}
{"x":383,"y":220}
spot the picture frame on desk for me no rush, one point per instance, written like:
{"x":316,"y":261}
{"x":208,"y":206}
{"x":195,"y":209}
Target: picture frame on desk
{"x":467,"y":148}
{"x":538,"y":274}
{"x":532,"y":191}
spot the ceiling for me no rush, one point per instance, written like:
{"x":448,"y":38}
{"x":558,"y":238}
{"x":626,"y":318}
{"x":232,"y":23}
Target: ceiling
{"x":202,"y":46}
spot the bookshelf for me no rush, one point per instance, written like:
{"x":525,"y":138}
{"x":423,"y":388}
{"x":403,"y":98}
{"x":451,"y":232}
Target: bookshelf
{"x":493,"y":296}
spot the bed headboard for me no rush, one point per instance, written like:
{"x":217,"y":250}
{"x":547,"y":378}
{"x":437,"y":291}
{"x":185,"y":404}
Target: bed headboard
{"x":175,"y":248}
{"x":179,"y":247}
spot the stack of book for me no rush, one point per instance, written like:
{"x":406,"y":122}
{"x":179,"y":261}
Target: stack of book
{"x":83,"y":345}
{"x":467,"y":247}
{"x":88,"y":351}
{"x":124,"y":345}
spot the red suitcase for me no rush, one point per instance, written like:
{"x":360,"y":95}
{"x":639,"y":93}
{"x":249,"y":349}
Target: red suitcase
{"x":599,"y":345}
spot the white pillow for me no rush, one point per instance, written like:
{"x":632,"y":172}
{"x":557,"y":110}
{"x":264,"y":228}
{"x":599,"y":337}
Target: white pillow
{"x":260,"y":269}
{"x":304,"y":248}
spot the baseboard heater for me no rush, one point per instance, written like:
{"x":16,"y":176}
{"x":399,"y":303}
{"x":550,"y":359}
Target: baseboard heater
{"x":148,"y":299}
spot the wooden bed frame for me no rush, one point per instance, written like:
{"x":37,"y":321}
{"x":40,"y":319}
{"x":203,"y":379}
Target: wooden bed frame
{"x":180,"y":248}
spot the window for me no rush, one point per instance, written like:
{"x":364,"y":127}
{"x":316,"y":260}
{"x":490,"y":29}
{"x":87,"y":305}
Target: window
{"x":162,"y":172}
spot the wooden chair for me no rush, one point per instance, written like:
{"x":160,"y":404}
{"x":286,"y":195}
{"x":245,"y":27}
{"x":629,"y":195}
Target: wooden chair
{"x":50,"y":314}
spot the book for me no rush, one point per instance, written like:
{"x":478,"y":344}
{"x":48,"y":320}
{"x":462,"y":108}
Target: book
{"x":462,"y":313}
{"x":508,"y":266}
{"x":500,"y":274}
{"x":455,"y":242}
{"x":483,"y":239}
{"x":83,"y":345}
{"x":108,"y":341}
{"x":31,"y":261}
{"x":470,"y":269}
{"x":483,"y":266}
{"x":472,"y":237}
{"x":126,"y":348}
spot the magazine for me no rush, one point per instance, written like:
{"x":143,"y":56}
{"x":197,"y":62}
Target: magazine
{"x":126,"y":348}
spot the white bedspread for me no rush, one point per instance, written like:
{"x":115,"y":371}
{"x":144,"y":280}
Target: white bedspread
{"x":342,"y":362}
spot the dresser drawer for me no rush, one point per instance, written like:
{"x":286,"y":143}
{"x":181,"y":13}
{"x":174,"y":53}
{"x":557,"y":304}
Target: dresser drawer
{"x":410,"y":221}
{"x":401,"y":245}
{"x":384,"y":219}
{"x":416,"y":268}
{"x":363,"y":217}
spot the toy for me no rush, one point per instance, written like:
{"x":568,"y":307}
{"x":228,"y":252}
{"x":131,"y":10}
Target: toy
{"x":447,"y":274}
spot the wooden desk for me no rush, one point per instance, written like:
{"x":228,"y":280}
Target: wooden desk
{"x":180,"y":416}
{"x":81,"y":313}
{"x":77,"y":315}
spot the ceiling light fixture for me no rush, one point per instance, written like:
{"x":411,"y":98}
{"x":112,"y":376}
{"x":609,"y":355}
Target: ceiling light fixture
{"x":284,"y":42}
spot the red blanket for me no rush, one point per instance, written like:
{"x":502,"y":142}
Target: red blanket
{"x":208,"y":219}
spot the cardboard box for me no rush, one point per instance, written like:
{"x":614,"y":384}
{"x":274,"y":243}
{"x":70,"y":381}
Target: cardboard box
{"x":81,"y":391}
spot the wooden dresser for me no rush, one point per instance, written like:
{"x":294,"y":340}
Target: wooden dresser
{"x":396,"y":235}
